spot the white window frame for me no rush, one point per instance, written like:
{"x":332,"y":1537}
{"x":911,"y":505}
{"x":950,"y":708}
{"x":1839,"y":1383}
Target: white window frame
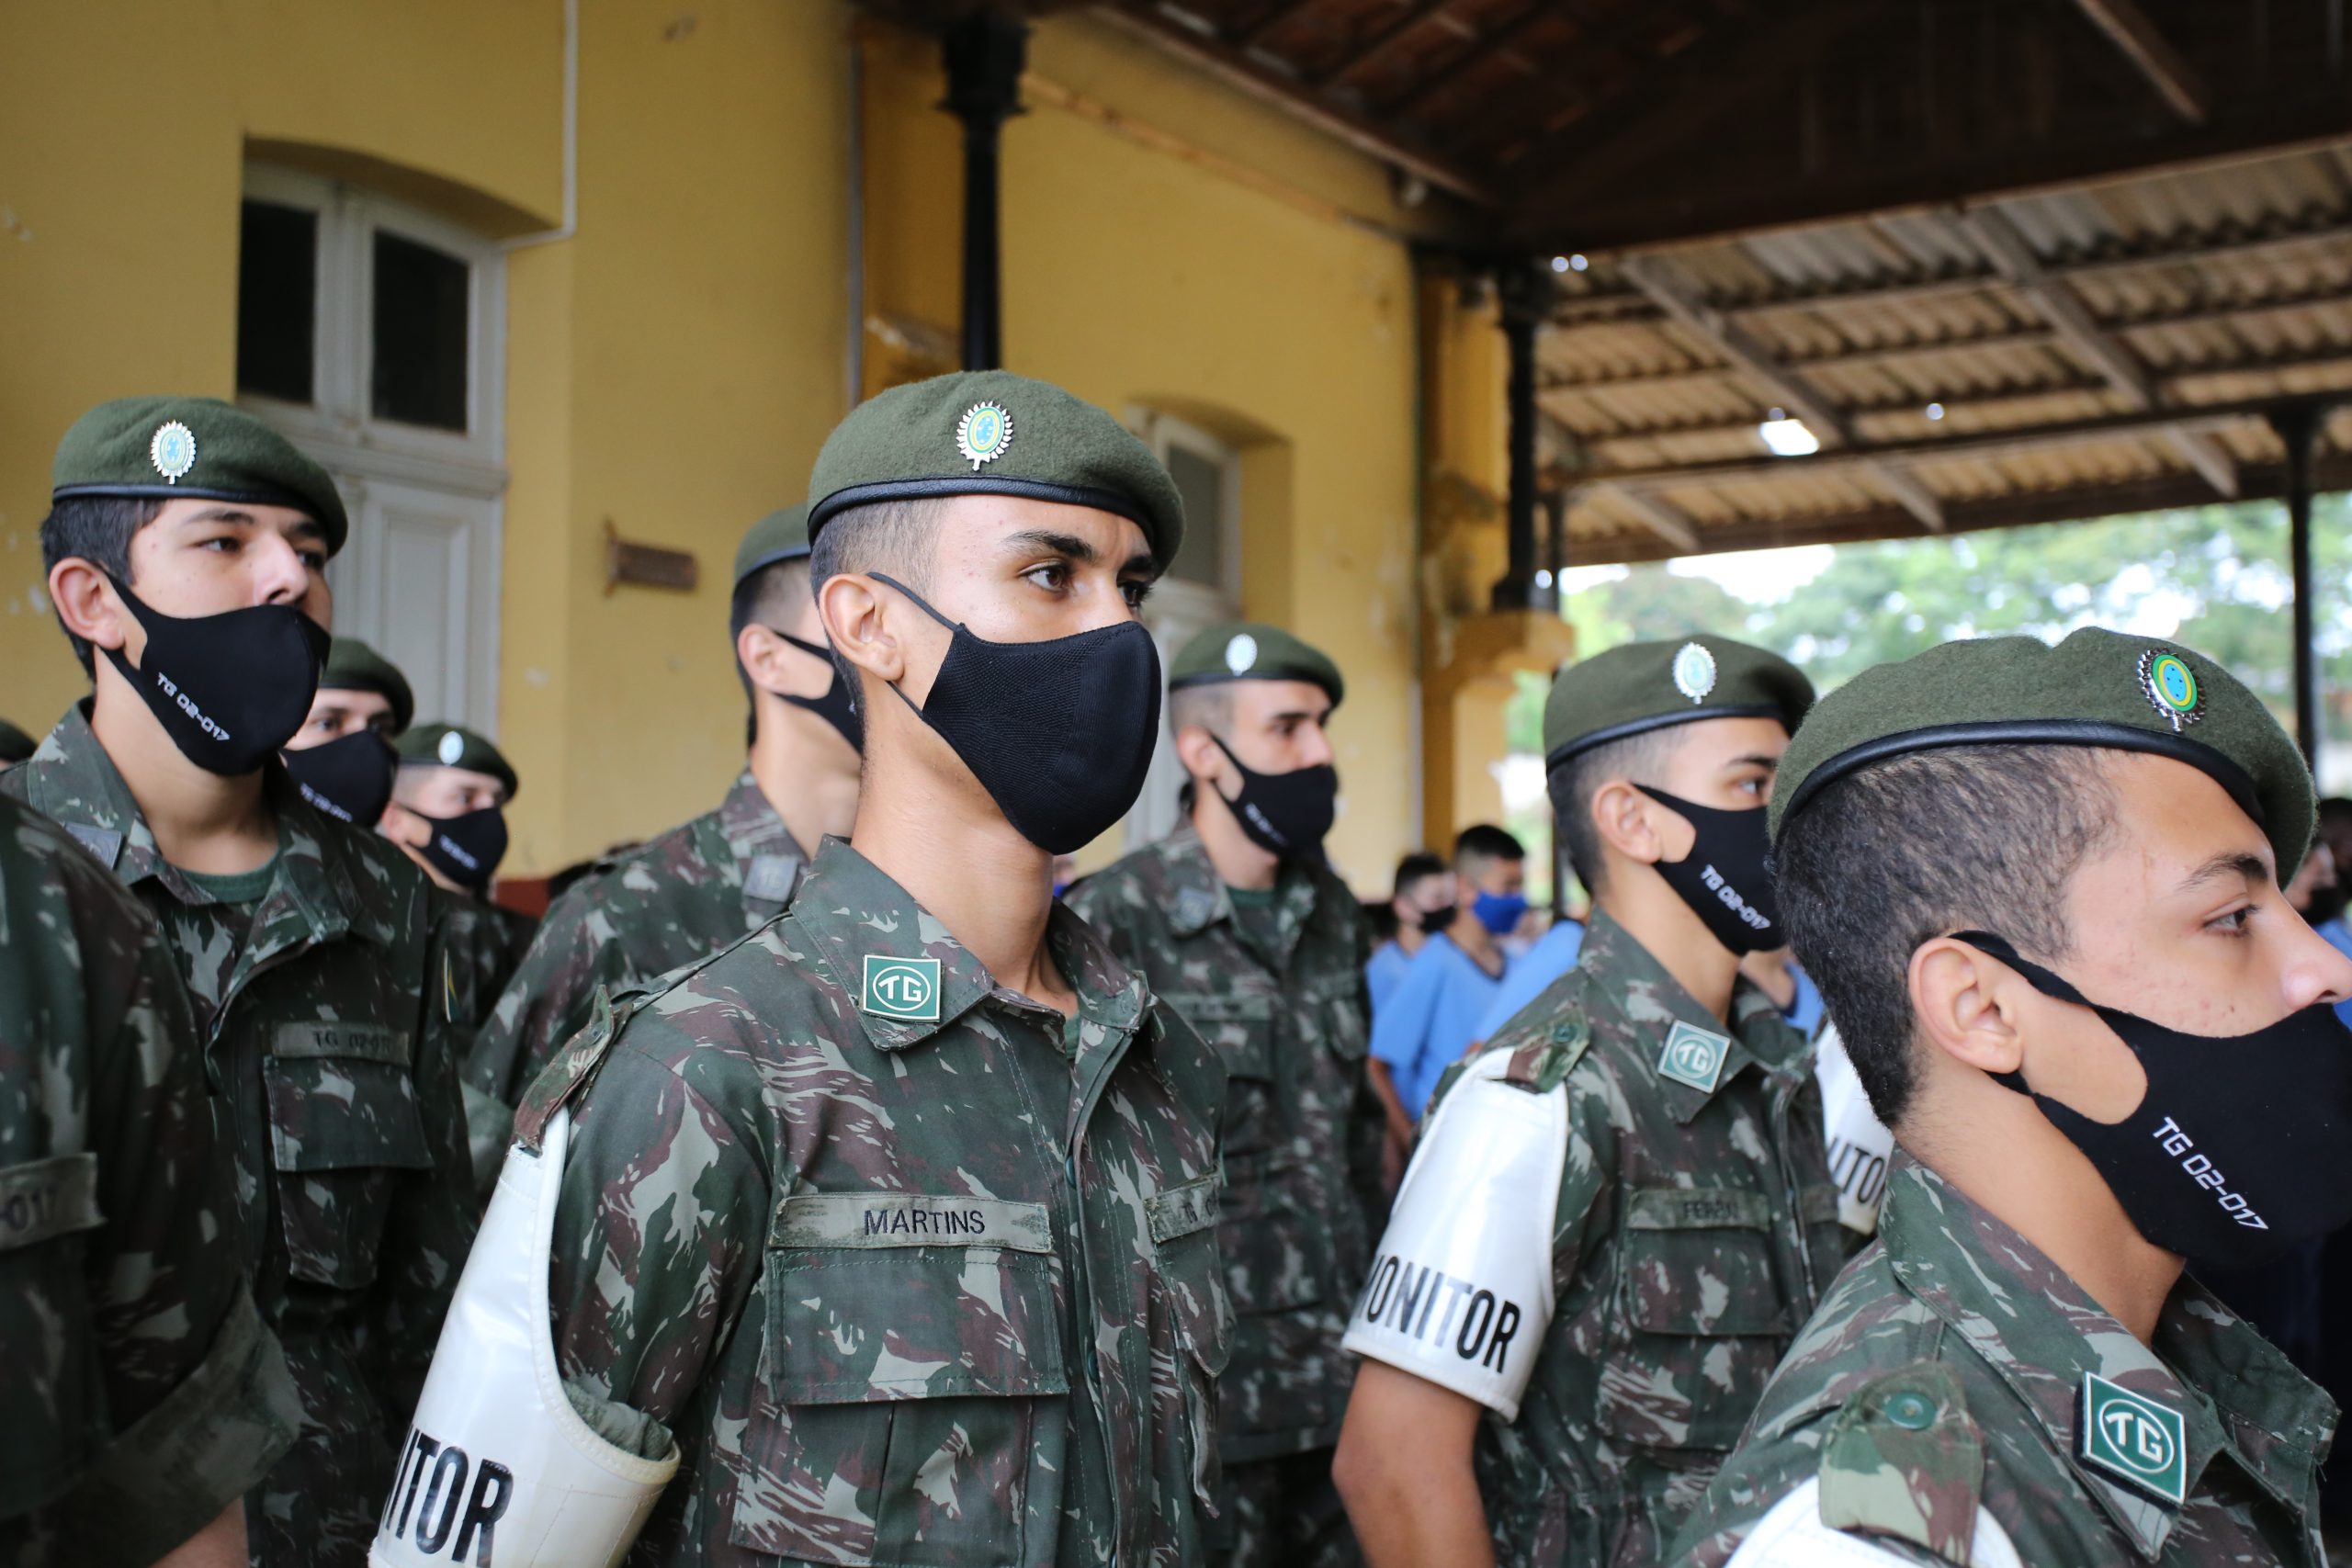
{"x":338,"y":427}
{"x":1164,"y":433}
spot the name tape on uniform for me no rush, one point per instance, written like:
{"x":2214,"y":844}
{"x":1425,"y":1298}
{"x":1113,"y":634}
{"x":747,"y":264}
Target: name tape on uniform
{"x":909,"y":1219}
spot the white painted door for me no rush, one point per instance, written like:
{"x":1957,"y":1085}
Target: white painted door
{"x":420,"y":585}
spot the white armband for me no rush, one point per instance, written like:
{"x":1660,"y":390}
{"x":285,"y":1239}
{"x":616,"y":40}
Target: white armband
{"x":1859,"y":1144}
{"x":1793,"y":1535}
{"x":497,"y":1454}
{"x":1460,"y":1287}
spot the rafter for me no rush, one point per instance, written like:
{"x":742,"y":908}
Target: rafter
{"x":2014,"y":256}
{"x":1787,"y":387}
{"x":1266,"y":21}
{"x":1375,"y":43}
{"x":1669,"y":521}
{"x":1499,"y":42}
{"x":2152,"y":55}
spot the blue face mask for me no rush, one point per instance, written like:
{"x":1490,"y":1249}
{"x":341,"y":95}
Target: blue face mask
{"x":1499,"y":912}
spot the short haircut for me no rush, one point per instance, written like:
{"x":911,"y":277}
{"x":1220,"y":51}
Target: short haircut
{"x":1893,"y":855}
{"x":1209,"y":705}
{"x":894,"y":537}
{"x":769,"y":597}
{"x":1639,"y":758}
{"x":1481,"y":844}
{"x":97,"y":529}
{"x":1414,"y":870}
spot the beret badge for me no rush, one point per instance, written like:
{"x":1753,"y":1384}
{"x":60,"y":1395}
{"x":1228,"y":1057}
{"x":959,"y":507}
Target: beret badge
{"x":452,"y":747}
{"x":2171,"y":687}
{"x":983,"y":433}
{"x":1694,"y":671}
{"x":172,"y":450}
{"x":1241,"y":653}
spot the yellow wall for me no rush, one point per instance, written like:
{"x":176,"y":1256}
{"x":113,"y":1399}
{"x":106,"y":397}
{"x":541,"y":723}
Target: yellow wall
{"x":1169,"y":243}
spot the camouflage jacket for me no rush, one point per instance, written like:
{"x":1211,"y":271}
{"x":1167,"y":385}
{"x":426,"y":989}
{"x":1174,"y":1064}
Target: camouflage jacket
{"x":1694,"y":1232}
{"x":670,"y":901}
{"x":337,"y":1087}
{"x":1299,"y":1118}
{"x":140,"y":1395}
{"x":1949,"y":1366}
{"x":481,"y":944}
{"x":906,"y":1288}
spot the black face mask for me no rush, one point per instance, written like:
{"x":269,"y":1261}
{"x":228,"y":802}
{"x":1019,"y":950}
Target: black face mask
{"x":1437,"y":920}
{"x":467,"y":849}
{"x":1722,"y":878}
{"x":232,"y":689}
{"x":2242,"y":1148}
{"x":1283,"y":814}
{"x":1059,"y":733}
{"x":349,"y":778}
{"x":837,"y":707}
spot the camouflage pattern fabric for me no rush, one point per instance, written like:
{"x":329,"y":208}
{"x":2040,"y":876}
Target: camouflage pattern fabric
{"x":907,"y":1291}
{"x":481,"y":946}
{"x":336,"y":1083}
{"x":1694,"y":1232}
{"x":1286,"y":1012}
{"x":140,"y":1395}
{"x":667,"y":902}
{"x":1993,"y":1340}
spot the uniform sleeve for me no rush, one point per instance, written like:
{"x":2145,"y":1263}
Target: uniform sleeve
{"x":197,"y":1394}
{"x":1755,"y":1478}
{"x":1400,"y":1028}
{"x":659,"y":1232}
{"x":431,"y":1226}
{"x":551,"y":997}
{"x":1463,"y":1282}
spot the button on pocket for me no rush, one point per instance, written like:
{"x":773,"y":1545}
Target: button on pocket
{"x":1702,"y":1316}
{"x":341,"y":1130}
{"x":1190,"y":1281}
{"x":906,"y":1375}
{"x":1241,"y":1030}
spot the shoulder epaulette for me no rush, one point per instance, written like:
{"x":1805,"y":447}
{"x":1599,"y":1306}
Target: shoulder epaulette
{"x":574,"y":1066}
{"x":1904,"y":1459}
{"x":1542,"y":1053}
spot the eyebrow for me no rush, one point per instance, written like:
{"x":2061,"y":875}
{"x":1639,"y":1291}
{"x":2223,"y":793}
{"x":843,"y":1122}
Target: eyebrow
{"x":1069,"y":544}
{"x":1756,"y":760}
{"x":308,"y":527}
{"x":2229,"y":863}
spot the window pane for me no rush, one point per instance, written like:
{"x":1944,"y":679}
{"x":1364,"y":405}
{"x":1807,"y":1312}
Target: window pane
{"x":277,"y":280}
{"x":422,"y":309}
{"x":1201,"y":482}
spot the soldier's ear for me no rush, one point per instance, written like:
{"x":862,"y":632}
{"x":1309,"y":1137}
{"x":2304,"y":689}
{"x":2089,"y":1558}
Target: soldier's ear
{"x":1967,"y":1004}
{"x":1197,"y":749}
{"x":1627,"y":821}
{"x":867,"y":623}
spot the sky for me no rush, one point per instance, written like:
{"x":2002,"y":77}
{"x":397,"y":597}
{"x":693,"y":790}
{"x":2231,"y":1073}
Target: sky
{"x":1760,"y":577}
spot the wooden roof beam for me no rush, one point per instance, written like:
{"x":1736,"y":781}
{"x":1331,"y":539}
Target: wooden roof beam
{"x":1433,"y":85}
{"x":1984,"y":444}
{"x":1266,"y":21}
{"x":1669,"y":521}
{"x":1371,"y":48}
{"x":2152,"y":55}
{"x":2008,"y":250}
{"x":1787,"y":388}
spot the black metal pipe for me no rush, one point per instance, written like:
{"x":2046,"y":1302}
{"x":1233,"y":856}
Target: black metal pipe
{"x":1522,"y":294}
{"x":984,"y":53}
{"x":2297,"y":429}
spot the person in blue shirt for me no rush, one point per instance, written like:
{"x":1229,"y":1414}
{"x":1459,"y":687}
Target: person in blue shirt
{"x":1433,"y":1014}
{"x":1423,"y":905}
{"x":1554,"y":954}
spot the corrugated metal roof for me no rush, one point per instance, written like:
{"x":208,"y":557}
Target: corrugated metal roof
{"x":2144,"y":300}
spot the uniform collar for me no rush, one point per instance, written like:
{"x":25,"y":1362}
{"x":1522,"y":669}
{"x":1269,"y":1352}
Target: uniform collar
{"x":314,"y":894}
{"x":1622,"y":971}
{"x":1199,"y":898}
{"x":2040,"y":1333}
{"x":852,"y":910}
{"x":766,"y":859}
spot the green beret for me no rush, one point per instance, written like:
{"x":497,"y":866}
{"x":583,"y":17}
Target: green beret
{"x":1248,"y":651}
{"x":15,"y":744}
{"x":1642,"y":686}
{"x":454,"y":746}
{"x":353,"y":666}
{"x":162,"y":447}
{"x":993,"y":433}
{"x":2097,"y":688}
{"x":779,"y":536}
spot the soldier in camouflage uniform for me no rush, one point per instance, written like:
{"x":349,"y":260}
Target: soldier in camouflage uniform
{"x":900,"y":1215}
{"x":702,"y":884}
{"x":15,"y":745}
{"x":304,"y":944}
{"x":143,"y":1397}
{"x":2019,"y":1370}
{"x":1621,"y":1212}
{"x":1240,"y":925}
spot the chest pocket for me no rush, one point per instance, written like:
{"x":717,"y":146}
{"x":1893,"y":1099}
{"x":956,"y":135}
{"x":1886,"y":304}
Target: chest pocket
{"x":345,"y":1130}
{"x":910,"y":1352}
{"x":1702,"y":1317}
{"x":53,"y":1362}
{"x":1242,"y":1029}
{"x":1346,"y":1028}
{"x":1189,"y":1284}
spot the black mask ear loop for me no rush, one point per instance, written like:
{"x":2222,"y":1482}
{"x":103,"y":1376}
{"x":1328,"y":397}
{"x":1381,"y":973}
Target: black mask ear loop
{"x":2049,"y":984}
{"x":920,"y":603}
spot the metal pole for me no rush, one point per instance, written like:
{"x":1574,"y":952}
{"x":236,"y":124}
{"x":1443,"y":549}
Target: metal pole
{"x":2297,"y":429}
{"x":984,"y":54}
{"x":1522,"y":294}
